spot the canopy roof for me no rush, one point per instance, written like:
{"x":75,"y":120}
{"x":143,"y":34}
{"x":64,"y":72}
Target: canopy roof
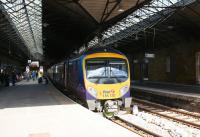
{"x":26,"y":15}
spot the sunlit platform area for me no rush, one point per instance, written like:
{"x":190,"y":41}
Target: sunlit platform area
{"x":171,"y":90}
{"x":177,"y":95}
{"x":30,"y":109}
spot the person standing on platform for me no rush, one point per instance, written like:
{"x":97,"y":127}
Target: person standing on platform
{"x":13,"y":77}
{"x":40,"y":74}
{"x":26,"y":75}
{"x":33,"y":75}
{"x":36,"y":74}
{"x":2,"y":77}
{"x":6,"y":79}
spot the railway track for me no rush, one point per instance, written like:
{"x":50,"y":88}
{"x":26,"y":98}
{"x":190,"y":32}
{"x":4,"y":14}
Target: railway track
{"x":185,"y":117}
{"x":134,"y":128}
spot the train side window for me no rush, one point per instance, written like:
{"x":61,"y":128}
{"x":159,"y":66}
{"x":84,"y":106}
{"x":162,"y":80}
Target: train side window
{"x":70,"y":70}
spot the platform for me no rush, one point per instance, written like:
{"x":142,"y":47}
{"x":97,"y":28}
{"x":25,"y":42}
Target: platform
{"x":38,"y":110}
{"x":186,"y":96}
{"x":178,"y":90}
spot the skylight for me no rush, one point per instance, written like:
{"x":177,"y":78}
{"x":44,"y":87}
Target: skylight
{"x":137,"y":21}
{"x":27,"y":17}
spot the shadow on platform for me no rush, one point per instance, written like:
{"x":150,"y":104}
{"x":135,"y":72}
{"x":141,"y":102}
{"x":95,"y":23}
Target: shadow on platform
{"x":29,"y":94}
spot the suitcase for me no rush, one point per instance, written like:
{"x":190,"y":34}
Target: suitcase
{"x":40,"y":80}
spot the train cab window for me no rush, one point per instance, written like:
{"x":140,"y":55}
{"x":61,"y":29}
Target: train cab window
{"x":106,"y":71}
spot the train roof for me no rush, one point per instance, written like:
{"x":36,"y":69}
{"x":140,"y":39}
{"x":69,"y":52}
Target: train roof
{"x":95,"y":50}
{"x":98,"y":50}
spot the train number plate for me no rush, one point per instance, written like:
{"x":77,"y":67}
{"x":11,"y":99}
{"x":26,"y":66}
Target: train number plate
{"x":108,"y":93}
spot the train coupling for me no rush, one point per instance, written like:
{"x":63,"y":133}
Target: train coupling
{"x":111,"y":108}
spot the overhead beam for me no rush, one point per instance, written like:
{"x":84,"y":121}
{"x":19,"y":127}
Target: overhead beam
{"x":110,"y":12}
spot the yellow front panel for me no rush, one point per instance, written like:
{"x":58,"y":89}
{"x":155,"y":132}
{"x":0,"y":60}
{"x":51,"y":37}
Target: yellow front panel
{"x":106,"y":91}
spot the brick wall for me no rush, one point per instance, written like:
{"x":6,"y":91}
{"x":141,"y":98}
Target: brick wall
{"x":182,"y":59}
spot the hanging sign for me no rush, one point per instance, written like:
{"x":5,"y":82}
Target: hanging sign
{"x":149,"y":55}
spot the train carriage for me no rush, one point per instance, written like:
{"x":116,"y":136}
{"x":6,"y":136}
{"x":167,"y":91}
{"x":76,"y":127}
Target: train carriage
{"x":100,"y":77}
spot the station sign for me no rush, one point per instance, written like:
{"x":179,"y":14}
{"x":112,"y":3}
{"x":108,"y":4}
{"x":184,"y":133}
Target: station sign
{"x":29,"y":61}
{"x":135,"y":61}
{"x":34,"y":64}
{"x":149,"y":55}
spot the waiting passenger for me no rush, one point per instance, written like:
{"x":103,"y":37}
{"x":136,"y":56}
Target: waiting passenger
{"x":13,"y":77}
{"x":46,"y":80}
{"x":33,"y":75}
{"x":6,"y":79}
{"x":36,"y":74}
{"x":40,"y":77}
{"x":2,"y":77}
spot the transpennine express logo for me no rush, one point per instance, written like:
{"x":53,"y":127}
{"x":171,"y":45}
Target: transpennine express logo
{"x":109,"y":93}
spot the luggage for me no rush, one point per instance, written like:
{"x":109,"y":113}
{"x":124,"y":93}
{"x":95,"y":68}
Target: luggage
{"x":46,"y":80}
{"x":40,"y":80}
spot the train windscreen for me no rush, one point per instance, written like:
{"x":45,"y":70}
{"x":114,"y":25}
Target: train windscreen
{"x":106,"y":70}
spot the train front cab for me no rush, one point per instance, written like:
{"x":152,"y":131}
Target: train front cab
{"x":107,"y":79}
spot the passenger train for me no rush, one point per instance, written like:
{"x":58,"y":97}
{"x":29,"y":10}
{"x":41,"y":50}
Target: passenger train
{"x":99,"y":77}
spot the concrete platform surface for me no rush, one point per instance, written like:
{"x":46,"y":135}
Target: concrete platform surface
{"x":171,"y":90}
{"x":37,"y":110}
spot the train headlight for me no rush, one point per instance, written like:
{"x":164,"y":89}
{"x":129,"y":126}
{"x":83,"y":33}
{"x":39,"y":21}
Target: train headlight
{"x":92,"y":91}
{"x":124,"y":90}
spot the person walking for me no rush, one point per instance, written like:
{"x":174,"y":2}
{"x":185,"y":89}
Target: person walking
{"x":40,"y":77}
{"x":33,"y":75}
{"x":6,"y":79}
{"x":2,"y":77}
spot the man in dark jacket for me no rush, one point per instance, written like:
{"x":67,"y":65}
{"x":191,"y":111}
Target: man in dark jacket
{"x":13,"y":77}
{"x":6,"y":79}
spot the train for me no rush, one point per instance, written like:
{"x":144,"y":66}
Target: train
{"x":99,"y":77}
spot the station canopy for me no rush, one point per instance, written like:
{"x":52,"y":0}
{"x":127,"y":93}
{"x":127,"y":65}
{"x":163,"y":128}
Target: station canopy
{"x":56,"y":28}
{"x":70,"y":23}
{"x":26,"y":18}
{"x":104,"y":10}
{"x":148,"y":16}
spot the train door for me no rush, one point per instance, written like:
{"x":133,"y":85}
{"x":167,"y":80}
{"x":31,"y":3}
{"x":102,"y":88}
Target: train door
{"x":198,"y":67}
{"x":65,"y":73}
{"x":68,"y":74}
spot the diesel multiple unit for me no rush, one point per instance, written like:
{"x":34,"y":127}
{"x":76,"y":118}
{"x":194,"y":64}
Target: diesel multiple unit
{"x":99,"y":77}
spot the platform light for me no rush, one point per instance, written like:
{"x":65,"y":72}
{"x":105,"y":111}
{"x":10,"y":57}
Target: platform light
{"x":120,"y":10}
{"x":136,"y":37}
{"x":29,"y":61}
{"x":120,"y":7}
{"x":45,"y":24}
{"x":135,"y":61}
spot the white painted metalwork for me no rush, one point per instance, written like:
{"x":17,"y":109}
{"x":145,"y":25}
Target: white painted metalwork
{"x":27,"y":17}
{"x":141,"y":19}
